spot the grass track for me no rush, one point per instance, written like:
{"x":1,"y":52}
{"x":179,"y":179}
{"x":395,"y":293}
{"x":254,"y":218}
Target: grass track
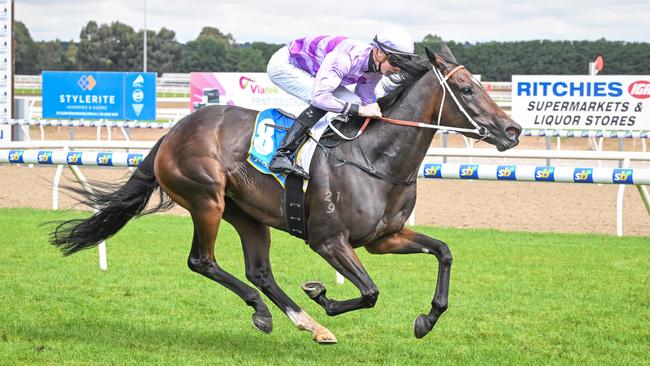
{"x":516,"y":298}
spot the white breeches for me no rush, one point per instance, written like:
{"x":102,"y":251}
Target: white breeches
{"x":297,"y":82}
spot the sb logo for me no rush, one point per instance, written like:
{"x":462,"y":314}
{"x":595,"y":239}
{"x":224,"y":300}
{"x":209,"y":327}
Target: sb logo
{"x":469,"y":171}
{"x":134,"y":159}
{"x":623,"y":176}
{"x":583,"y":175}
{"x":74,"y":158}
{"x":545,"y":173}
{"x":433,"y":171}
{"x":45,"y":157}
{"x":506,"y":172}
{"x":16,"y":156}
{"x":105,"y":159}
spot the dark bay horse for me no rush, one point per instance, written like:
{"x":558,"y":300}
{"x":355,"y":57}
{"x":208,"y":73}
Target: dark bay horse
{"x":201,"y":165}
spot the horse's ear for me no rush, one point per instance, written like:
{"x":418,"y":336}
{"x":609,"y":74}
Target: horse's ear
{"x":430,"y":55}
{"x":436,"y":59}
{"x":446,"y":53}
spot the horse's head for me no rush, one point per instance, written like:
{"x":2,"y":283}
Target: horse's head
{"x":467,"y":105}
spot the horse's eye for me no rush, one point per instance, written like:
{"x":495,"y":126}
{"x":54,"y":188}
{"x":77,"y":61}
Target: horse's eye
{"x":467,"y":90}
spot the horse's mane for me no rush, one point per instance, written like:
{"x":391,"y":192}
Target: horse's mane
{"x":410,"y":72}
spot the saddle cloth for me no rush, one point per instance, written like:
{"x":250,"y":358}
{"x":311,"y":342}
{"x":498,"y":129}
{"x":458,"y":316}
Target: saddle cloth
{"x":271,"y":126}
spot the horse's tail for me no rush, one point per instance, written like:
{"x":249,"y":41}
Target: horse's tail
{"x":116,"y":205}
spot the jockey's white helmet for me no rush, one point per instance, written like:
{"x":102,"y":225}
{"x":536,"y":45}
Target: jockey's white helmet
{"x":395,"y":40}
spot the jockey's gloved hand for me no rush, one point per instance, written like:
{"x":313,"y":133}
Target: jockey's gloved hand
{"x":370,"y":110}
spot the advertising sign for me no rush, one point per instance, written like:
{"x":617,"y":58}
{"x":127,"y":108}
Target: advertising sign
{"x":99,"y":95}
{"x":6,"y":68}
{"x":620,"y":103}
{"x":248,"y":90}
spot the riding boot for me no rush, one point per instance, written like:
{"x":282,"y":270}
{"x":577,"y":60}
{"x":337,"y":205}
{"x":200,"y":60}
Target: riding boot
{"x":283,"y":159}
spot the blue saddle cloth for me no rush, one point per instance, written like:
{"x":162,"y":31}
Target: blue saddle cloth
{"x":266,"y":140}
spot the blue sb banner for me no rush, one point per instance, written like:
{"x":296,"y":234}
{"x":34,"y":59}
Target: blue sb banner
{"x":99,"y":95}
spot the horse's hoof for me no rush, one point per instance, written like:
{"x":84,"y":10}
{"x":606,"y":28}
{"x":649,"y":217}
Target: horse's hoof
{"x":324,"y":336}
{"x":313,"y":289}
{"x":422,"y":326}
{"x":263,"y":323}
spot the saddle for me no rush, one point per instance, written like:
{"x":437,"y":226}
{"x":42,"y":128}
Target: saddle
{"x":271,"y":126}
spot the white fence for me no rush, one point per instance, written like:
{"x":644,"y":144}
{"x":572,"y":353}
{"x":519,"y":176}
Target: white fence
{"x":24,"y":125}
{"x":535,"y":173}
{"x":20,"y":153}
{"x":71,"y":157}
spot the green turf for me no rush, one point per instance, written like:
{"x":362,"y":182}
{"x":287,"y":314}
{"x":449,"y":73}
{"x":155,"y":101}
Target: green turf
{"x":516,"y":298}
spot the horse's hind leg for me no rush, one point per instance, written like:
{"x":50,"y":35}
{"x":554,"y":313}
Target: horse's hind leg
{"x":202,"y":260}
{"x":338,"y":252}
{"x":256,"y":243}
{"x":189,"y":170}
{"x":409,"y":242}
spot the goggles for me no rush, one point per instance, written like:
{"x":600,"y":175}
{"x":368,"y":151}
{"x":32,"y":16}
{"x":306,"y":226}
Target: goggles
{"x":390,"y":51}
{"x":394,"y":59}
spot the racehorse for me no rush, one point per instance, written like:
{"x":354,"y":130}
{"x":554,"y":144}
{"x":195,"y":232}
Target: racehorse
{"x":360,"y":194}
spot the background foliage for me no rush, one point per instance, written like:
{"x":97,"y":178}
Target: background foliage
{"x":118,"y":47}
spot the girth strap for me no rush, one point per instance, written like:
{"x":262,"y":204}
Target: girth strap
{"x":369,"y":169}
{"x":294,"y":207}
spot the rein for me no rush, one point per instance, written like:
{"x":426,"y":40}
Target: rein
{"x":479,"y":130}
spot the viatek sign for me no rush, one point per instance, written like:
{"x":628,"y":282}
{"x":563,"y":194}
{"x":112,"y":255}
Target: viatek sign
{"x":99,"y":95}
{"x":620,"y":103}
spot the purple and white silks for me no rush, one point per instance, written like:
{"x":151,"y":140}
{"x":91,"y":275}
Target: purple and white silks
{"x":333,"y":62}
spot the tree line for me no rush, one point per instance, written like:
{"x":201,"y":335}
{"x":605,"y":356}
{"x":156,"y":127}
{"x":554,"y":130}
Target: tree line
{"x":118,"y":47}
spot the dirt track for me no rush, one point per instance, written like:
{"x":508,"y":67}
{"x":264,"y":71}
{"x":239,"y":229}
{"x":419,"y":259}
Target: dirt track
{"x":547,"y":207}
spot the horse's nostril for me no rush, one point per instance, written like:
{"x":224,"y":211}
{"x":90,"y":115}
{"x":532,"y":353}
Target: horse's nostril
{"x":512,"y":131}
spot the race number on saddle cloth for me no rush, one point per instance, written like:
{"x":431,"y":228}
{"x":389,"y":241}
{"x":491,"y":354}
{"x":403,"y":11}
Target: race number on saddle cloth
{"x":271,"y":126}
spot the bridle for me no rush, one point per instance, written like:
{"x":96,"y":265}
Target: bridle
{"x":478,"y":130}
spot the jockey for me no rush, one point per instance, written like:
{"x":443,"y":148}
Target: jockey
{"x":316,"y":70}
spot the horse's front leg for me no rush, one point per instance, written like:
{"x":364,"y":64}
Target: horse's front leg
{"x":408,"y":242}
{"x":256,"y":243}
{"x":338,"y":252}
